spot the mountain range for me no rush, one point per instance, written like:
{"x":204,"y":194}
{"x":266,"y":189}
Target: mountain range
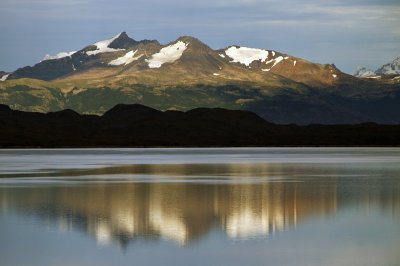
{"x":187,"y":73}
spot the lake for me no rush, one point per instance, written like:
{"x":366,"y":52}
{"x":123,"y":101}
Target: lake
{"x":233,"y":206}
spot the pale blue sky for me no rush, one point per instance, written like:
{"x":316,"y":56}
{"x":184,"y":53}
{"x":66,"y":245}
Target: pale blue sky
{"x":349,"y":33}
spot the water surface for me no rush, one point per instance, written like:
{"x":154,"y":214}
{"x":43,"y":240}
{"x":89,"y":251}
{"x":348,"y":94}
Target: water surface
{"x":281,"y":206}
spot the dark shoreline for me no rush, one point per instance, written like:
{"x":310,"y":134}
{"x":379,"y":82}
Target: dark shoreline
{"x":137,"y":126}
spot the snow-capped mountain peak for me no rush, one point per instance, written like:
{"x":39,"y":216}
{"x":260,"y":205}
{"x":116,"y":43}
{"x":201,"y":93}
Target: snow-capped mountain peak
{"x":392,"y":68}
{"x":363,"y":72}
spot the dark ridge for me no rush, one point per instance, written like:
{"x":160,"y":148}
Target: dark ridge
{"x":128,"y":113}
{"x":45,"y":70}
{"x":123,"y":109}
{"x":65,"y":114}
{"x":123,"y":42}
{"x":140,"y":126}
{"x":232,"y":115}
{"x":5,"y":108}
{"x":68,"y":112}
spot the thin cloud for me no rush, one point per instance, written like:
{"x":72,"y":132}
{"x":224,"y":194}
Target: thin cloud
{"x":292,"y":26}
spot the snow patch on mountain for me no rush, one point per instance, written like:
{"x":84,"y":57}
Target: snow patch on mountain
{"x":58,"y":56}
{"x":245,"y":55}
{"x":4,"y":78}
{"x":167,"y":54}
{"x":128,"y":58}
{"x":275,"y":61}
{"x":102,"y":46}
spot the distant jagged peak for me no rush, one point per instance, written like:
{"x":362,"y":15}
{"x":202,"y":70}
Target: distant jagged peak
{"x":392,"y":68}
{"x":363,"y":72}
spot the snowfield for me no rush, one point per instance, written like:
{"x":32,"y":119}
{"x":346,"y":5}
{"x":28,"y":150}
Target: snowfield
{"x":245,"y":55}
{"x":102,"y":46}
{"x":4,"y":78}
{"x":128,"y":58}
{"x":275,"y":61}
{"x":58,"y":56}
{"x":167,"y":54}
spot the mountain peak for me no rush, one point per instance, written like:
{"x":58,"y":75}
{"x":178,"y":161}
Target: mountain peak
{"x":192,"y":41}
{"x":122,"y":41}
{"x":187,"y":38}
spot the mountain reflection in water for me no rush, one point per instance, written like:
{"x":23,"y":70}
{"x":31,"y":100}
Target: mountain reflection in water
{"x":183,"y":203}
{"x":179,"y":212}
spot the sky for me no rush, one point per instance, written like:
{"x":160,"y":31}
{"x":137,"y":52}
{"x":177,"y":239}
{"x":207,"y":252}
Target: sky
{"x":348,"y":33}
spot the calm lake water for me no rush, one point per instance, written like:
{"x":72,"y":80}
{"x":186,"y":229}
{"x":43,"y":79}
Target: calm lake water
{"x":279,"y":206}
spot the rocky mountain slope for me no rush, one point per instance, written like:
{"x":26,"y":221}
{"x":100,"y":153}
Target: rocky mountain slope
{"x":186,"y":74}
